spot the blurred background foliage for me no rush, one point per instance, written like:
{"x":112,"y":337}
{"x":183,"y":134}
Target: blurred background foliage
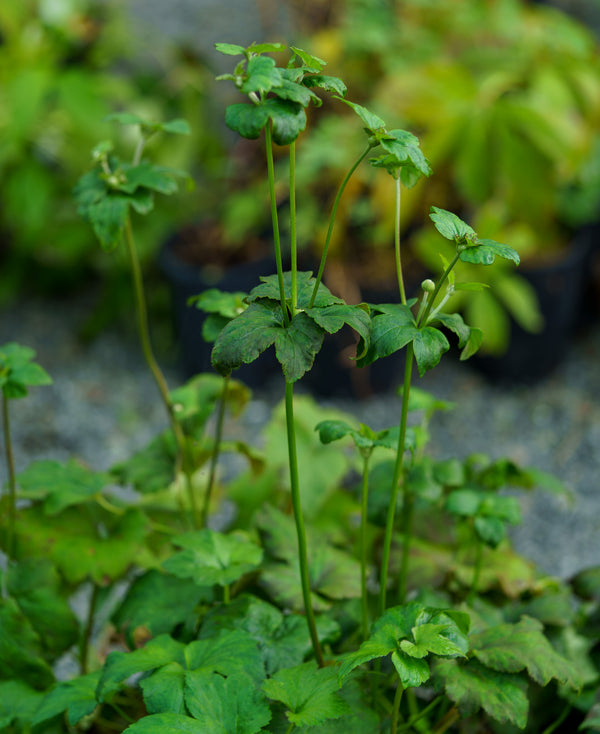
{"x":504,"y":95}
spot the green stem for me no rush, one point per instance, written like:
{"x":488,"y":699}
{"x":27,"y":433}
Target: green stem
{"x":12,"y":481}
{"x":332,"y":217}
{"x":290,"y":728}
{"x":299,"y":520}
{"x":144,"y":333}
{"x":275,"y":220}
{"x":363,"y":545}
{"x":396,"y":709}
{"x":398,"y":466}
{"x":447,"y":721}
{"x":86,"y":635}
{"x":399,"y":274}
{"x":214,"y":459}
{"x":554,"y":726}
{"x":293,"y":233}
{"x":226,"y":594}
{"x":438,"y":286}
{"x":419,"y":715}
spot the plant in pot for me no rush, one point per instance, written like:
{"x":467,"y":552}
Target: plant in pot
{"x":506,"y":99}
{"x":393,"y":603}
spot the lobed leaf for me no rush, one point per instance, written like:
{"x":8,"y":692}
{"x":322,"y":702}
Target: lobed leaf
{"x":451,"y":227}
{"x":75,"y":697}
{"x":472,"y":686}
{"x":512,"y":648}
{"x":390,"y":332}
{"x":310,"y":694}
{"x":328,"y":83}
{"x":18,"y":372}
{"x":209,"y":557}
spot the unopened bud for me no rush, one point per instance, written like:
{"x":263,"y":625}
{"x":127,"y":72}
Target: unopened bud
{"x":428,"y":285}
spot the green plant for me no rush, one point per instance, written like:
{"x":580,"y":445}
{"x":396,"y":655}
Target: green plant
{"x":505,"y":98}
{"x":312,"y":608}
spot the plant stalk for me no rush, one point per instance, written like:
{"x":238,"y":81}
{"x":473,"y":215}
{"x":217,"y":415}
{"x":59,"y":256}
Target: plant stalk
{"x":332,"y":217}
{"x":396,"y":709}
{"x":399,"y":274}
{"x":144,"y":334}
{"x":12,"y":481}
{"x":438,"y":286}
{"x":363,"y":545}
{"x":214,"y":459}
{"x":398,"y":466}
{"x":293,"y":232}
{"x":275,"y":220}
{"x":299,"y":520}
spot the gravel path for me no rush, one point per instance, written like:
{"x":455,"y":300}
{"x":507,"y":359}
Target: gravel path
{"x":103,"y":405}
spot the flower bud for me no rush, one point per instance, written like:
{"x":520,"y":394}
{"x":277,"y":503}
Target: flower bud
{"x":428,"y":285}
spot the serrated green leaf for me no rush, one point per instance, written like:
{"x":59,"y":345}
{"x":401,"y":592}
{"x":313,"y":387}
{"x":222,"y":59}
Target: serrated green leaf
{"x":60,"y":485}
{"x":472,"y":686}
{"x":37,"y":588}
{"x":328,"y":83}
{"x":373,"y":123}
{"x":404,"y":148}
{"x":332,"y":319}
{"x":450,"y":226}
{"x":269,"y":288}
{"x":230,"y":652}
{"x":491,"y":530}
{"x":310,"y":61}
{"x":296,"y":93}
{"x":92,"y":544}
{"x":21,"y":653}
{"x":429,"y":345}
{"x":163,"y":690}
{"x":18,"y":703}
{"x":230,"y":49}
{"x":248,"y":335}
{"x":209,"y":557}
{"x":157,"y":602}
{"x":246,"y":119}
{"x":333,"y":430}
{"x":297,"y":345}
{"x":150,"y":176}
{"x":390,"y":332}
{"x":213,"y":300}
{"x":261,"y":76}
{"x":169,"y":724}
{"x":119,"y":666}
{"x":310,"y":694}
{"x":412,"y":671}
{"x":229,"y":705}
{"x":76,"y":697}
{"x":18,"y":372}
{"x":485,"y":252}
{"x":288,"y":118}
{"x":512,"y":648}
{"x":265,"y":48}
{"x":177,"y":126}
{"x":108,"y":217}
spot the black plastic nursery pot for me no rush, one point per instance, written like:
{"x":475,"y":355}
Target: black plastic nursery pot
{"x":561,"y":287}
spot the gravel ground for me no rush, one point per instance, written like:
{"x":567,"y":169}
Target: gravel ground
{"x":102,"y":406}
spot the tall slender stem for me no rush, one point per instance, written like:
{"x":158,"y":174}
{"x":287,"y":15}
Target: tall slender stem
{"x":399,"y":274}
{"x":396,"y":709}
{"x":398,"y":466}
{"x":438,"y":286}
{"x":144,"y":333}
{"x":363,"y":545}
{"x":299,"y":520}
{"x":12,"y":480}
{"x":293,"y":230}
{"x":214,"y":459}
{"x":332,"y":217}
{"x":275,"y":220}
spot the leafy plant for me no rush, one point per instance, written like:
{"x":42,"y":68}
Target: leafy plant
{"x":310,"y":606}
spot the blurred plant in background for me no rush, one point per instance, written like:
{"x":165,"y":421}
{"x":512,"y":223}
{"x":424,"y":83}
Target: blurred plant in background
{"x":65,"y":65}
{"x":506,"y":99}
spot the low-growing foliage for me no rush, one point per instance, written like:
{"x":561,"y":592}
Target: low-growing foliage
{"x":359,"y":585}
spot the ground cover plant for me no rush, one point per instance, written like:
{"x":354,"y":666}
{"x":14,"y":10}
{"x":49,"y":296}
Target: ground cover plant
{"x":356,"y":584}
